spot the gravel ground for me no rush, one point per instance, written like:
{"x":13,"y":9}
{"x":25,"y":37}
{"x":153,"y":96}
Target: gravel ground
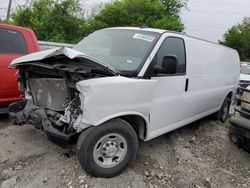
{"x":198,"y":155}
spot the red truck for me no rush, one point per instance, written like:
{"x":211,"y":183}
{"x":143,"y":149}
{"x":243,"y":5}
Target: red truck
{"x":14,"y":42}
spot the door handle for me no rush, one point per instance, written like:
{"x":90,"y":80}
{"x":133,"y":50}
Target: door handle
{"x":186,"y":85}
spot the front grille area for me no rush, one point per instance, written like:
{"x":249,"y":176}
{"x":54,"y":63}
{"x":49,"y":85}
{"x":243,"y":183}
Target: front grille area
{"x":48,"y":93}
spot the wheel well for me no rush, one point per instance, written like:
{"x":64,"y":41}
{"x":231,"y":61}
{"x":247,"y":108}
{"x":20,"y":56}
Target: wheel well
{"x":230,"y":95}
{"x":138,"y":123}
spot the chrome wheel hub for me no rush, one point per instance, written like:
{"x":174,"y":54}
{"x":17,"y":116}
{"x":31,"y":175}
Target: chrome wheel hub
{"x":110,"y":150}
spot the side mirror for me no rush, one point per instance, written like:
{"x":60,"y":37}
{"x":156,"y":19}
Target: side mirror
{"x":158,"y":69}
{"x":168,"y":66}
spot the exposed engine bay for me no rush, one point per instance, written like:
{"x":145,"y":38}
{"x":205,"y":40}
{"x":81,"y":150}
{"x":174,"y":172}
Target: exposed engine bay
{"x":52,"y":100}
{"x":66,"y":91}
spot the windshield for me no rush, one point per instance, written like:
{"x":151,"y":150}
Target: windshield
{"x":245,"y":69}
{"x":125,"y":50}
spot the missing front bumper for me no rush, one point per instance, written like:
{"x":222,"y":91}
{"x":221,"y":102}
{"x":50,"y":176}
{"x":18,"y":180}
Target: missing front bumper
{"x":26,"y":112}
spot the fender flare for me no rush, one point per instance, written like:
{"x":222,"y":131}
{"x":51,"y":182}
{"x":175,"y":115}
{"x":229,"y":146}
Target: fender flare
{"x":233,"y":94}
{"x":117,"y":115}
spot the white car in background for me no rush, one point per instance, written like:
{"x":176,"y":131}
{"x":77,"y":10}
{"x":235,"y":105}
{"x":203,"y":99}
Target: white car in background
{"x":245,"y":74}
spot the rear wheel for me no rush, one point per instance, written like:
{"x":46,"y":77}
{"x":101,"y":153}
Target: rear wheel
{"x":224,"y":111}
{"x":107,"y":150}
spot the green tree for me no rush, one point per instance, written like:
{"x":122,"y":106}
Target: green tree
{"x":173,"y":6}
{"x":238,"y":37}
{"x":2,"y":21}
{"x":153,"y":13}
{"x":63,"y":20}
{"x":51,"y":20}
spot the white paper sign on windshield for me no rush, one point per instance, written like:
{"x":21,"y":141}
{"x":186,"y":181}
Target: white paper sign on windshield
{"x":144,"y":37}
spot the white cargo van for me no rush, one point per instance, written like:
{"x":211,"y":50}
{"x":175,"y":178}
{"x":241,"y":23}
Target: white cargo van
{"x":119,"y":85}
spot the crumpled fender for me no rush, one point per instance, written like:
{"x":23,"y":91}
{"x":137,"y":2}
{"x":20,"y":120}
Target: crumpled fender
{"x":105,"y":98}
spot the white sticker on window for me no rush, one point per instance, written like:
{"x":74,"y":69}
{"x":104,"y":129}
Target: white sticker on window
{"x":144,"y":37}
{"x":12,"y":32}
{"x":129,"y":61}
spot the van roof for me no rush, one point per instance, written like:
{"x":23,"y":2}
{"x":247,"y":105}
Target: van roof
{"x":160,"y":31}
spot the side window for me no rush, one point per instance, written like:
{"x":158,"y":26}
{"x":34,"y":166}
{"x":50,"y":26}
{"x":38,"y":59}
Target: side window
{"x":173,"y":46}
{"x":12,"y":42}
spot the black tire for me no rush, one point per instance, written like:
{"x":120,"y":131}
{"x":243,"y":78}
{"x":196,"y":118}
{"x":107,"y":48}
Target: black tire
{"x":246,"y":145}
{"x":236,"y":136}
{"x":89,"y":138}
{"x":223,"y":113}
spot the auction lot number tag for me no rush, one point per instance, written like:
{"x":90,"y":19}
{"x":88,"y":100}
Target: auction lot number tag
{"x":144,"y":37}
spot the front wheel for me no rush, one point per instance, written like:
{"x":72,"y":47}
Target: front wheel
{"x":107,"y":150}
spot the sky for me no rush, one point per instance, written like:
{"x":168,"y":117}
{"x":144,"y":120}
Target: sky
{"x":206,"y":19}
{"x":210,"y":19}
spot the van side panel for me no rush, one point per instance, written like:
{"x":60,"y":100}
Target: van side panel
{"x":213,"y":71}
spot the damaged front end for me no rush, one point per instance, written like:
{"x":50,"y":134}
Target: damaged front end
{"x":48,"y":80}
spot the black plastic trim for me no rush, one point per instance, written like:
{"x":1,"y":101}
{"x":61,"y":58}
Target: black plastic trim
{"x":240,"y":121}
{"x":242,"y":100}
{"x":237,"y":109}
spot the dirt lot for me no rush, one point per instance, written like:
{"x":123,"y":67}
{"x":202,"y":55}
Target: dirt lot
{"x":199,"y":155}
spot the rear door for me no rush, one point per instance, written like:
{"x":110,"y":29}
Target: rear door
{"x":12,"y":45}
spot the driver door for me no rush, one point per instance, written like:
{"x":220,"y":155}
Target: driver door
{"x":169,"y":107}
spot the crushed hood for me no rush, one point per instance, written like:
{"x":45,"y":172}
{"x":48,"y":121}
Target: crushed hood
{"x":33,"y":58}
